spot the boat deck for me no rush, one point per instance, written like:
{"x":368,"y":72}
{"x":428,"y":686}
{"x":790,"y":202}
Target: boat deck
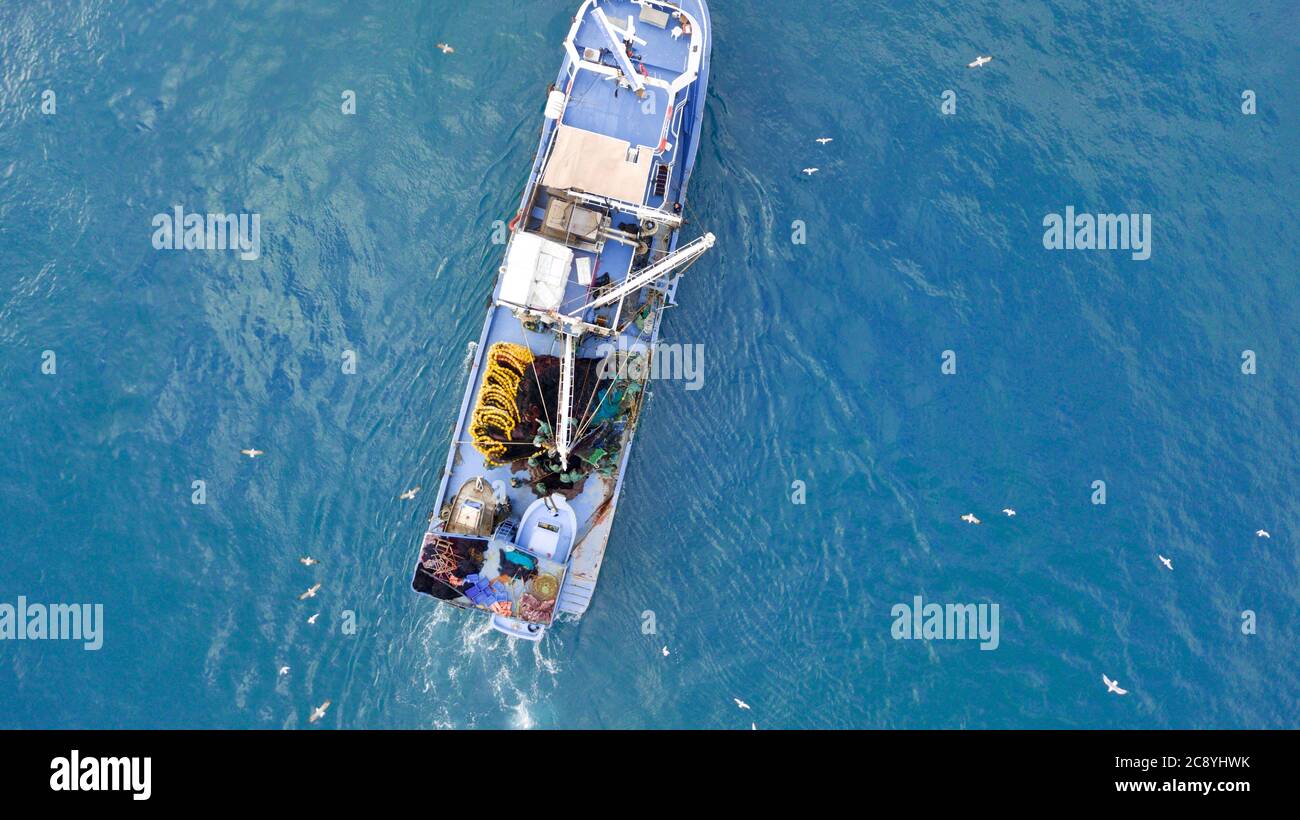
{"x":468,"y":463}
{"x":598,"y":104}
{"x":661,"y":52}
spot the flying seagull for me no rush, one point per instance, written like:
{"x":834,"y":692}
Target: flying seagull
{"x":1262,"y":534}
{"x":1009,"y":512}
{"x":311,"y":593}
{"x":1113,"y":686}
{"x":313,"y":618}
{"x":970,"y":518}
{"x":307,"y":561}
{"x":1169,"y":565}
{"x":284,"y":670}
{"x":979,"y":61}
{"x":319,"y":712}
{"x":665,"y":651}
{"x":811,"y":171}
{"x":824,"y":140}
{"x":740,"y":703}
{"x":409,"y":494}
{"x":445,"y":48}
{"x":251,"y":453}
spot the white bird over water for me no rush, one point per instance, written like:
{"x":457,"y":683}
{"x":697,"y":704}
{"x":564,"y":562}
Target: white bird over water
{"x":251,"y":453}
{"x":307,"y":561}
{"x":313,"y":618}
{"x":319,"y":712}
{"x":666,"y":653}
{"x":970,"y":518}
{"x":979,"y":61}
{"x":811,"y":171}
{"x":1262,"y":534}
{"x":445,"y":48}
{"x":824,"y":140}
{"x":753,"y":727}
{"x":1010,"y":513}
{"x":311,"y":593}
{"x":1169,"y":565}
{"x":1113,"y":686}
{"x":740,"y":703}
{"x":409,"y":494}
{"x":284,"y":670}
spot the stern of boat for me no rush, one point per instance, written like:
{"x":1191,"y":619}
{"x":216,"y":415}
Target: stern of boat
{"x":516,"y":628}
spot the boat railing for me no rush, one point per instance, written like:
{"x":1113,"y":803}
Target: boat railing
{"x":673,"y":131}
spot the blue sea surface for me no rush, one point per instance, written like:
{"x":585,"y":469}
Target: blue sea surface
{"x":924,"y":234}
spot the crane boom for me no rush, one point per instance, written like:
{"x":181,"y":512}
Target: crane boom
{"x":684,"y":255}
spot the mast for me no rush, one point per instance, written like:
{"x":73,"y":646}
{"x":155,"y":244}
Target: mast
{"x":566,"y":399}
{"x":620,"y":50}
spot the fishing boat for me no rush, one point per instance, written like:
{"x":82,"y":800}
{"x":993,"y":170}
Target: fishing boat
{"x":558,"y":379}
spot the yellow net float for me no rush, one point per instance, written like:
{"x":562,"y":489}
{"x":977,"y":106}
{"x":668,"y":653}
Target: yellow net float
{"x":497,"y":405}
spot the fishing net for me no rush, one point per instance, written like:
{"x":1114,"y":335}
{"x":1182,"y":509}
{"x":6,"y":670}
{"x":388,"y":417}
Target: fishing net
{"x":545,"y":587}
{"x":519,"y":393}
{"x":534,"y":610}
{"x":442,"y":557}
{"x":496,"y":412}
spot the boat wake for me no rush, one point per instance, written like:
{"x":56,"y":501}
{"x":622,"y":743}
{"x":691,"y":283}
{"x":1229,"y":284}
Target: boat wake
{"x":520,"y":676}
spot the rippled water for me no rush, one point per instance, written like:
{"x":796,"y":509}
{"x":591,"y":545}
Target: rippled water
{"x":822,"y":365}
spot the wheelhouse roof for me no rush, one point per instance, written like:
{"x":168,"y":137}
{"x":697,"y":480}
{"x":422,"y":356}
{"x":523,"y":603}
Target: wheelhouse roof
{"x":598,"y":164}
